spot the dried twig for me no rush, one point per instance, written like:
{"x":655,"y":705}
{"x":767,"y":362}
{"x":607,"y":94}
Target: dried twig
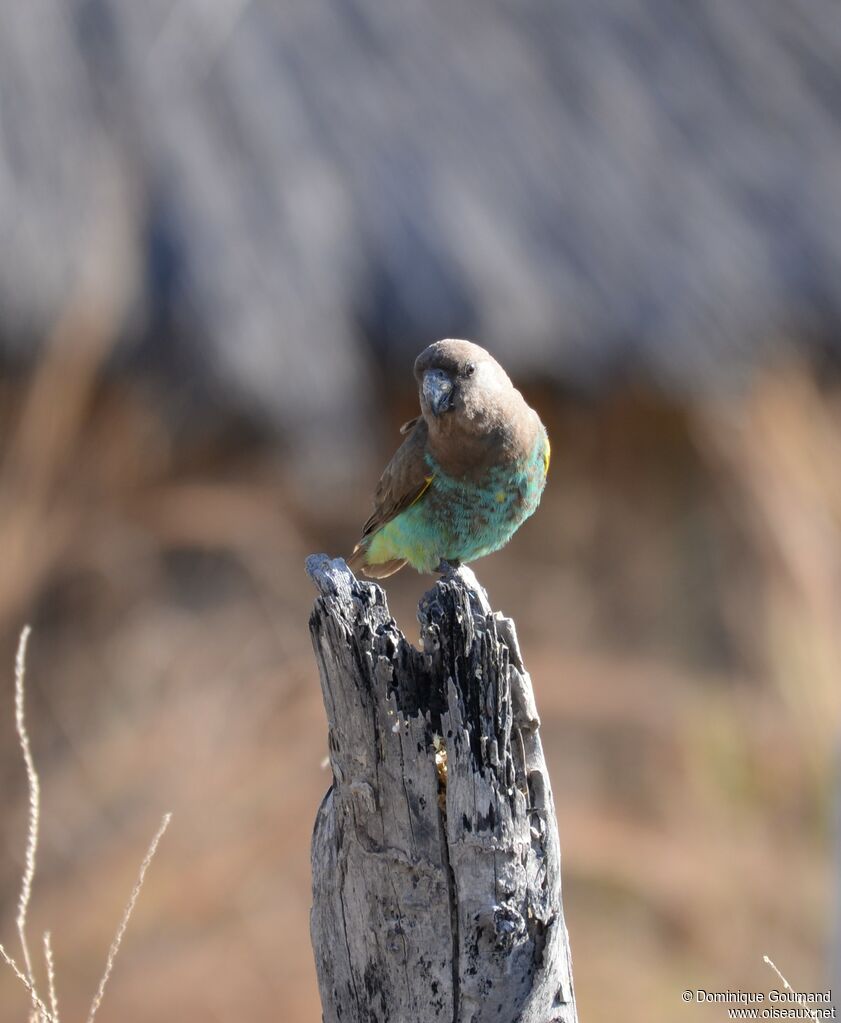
{"x":34,"y":812}
{"x":801,"y":1000}
{"x":39,"y":1012}
{"x":36,"y":1001}
{"x":48,"y":959}
{"x":118,"y":937}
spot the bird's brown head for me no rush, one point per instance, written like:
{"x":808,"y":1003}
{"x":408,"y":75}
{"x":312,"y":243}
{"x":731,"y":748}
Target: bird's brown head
{"x":458,"y":380}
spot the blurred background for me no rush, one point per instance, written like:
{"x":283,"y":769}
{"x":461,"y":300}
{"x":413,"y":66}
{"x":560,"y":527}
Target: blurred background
{"x":226,"y":229}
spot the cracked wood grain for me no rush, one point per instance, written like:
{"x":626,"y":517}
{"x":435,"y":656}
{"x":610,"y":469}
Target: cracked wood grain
{"x":435,"y":854}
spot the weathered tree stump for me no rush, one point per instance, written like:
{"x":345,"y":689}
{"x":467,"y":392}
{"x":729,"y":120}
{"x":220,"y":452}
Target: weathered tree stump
{"x":435,"y":855}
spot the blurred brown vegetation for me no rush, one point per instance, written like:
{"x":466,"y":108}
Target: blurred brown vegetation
{"x":677,"y":598}
{"x":272,"y":207}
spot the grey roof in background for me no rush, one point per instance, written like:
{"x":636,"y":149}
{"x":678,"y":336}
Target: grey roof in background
{"x":578,"y":185}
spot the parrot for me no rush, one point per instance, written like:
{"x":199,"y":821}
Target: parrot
{"x":471,"y":470}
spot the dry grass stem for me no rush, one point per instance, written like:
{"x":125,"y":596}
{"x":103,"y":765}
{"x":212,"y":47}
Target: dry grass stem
{"x":36,"y":1001}
{"x":39,"y":1012}
{"x":34,"y":811}
{"x":812,"y":1013}
{"x":48,"y":959}
{"x":118,"y":937}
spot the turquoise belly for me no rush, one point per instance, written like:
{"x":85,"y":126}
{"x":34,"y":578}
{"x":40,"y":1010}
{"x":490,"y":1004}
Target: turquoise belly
{"x":458,"y":520}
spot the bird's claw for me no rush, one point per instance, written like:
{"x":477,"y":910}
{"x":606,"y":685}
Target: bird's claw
{"x":448,"y":567}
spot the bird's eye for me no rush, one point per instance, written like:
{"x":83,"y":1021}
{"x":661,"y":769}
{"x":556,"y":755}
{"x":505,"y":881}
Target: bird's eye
{"x":470,"y":369}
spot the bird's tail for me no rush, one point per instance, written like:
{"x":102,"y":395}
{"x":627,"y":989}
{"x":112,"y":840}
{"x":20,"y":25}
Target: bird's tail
{"x":358,"y":561}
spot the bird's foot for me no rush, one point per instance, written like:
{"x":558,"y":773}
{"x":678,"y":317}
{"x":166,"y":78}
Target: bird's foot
{"x":454,"y":573}
{"x":448,"y":567}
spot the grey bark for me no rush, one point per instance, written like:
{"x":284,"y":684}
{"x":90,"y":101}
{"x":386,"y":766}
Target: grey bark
{"x":435,"y":855}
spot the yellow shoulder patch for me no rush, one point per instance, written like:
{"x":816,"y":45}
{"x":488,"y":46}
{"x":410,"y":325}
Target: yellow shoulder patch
{"x":547,"y":452}
{"x":427,"y":483}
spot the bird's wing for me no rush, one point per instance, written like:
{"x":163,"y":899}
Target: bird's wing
{"x":405,"y":479}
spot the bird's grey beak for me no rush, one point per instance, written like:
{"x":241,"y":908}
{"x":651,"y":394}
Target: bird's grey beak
{"x":438,"y":390}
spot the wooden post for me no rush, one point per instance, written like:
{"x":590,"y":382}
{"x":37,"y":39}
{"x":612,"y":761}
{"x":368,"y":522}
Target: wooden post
{"x":435,"y":855}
